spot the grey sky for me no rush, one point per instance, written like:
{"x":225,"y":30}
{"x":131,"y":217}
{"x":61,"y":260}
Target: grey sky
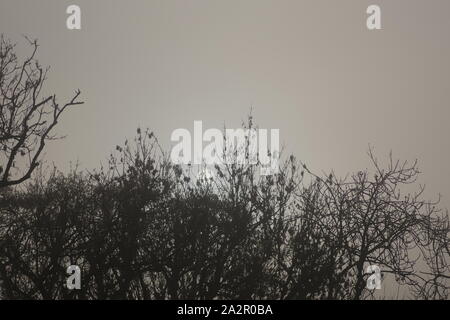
{"x":309,"y":68}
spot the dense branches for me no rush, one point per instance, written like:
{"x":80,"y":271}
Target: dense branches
{"x":143,"y":228}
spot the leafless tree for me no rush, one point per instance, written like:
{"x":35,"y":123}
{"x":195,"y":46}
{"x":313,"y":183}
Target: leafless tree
{"x":26,"y":118}
{"x":381,"y":218}
{"x":144,"y":228}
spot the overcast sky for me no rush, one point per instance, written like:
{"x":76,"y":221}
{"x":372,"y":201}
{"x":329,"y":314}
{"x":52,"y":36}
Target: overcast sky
{"x":308,"y":68}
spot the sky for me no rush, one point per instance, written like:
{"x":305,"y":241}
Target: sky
{"x":309,"y":68}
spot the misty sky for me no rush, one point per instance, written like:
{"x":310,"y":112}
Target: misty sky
{"x":309,"y":68}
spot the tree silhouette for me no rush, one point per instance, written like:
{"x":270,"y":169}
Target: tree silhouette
{"x":26,"y":119}
{"x":143,"y":228}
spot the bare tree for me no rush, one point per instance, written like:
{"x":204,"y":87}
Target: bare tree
{"x":380,"y":218}
{"x":26,"y":118}
{"x":144,"y":228}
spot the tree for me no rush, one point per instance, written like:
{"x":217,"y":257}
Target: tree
{"x":379,"y":218}
{"x":26,"y":118}
{"x":143,"y":228}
